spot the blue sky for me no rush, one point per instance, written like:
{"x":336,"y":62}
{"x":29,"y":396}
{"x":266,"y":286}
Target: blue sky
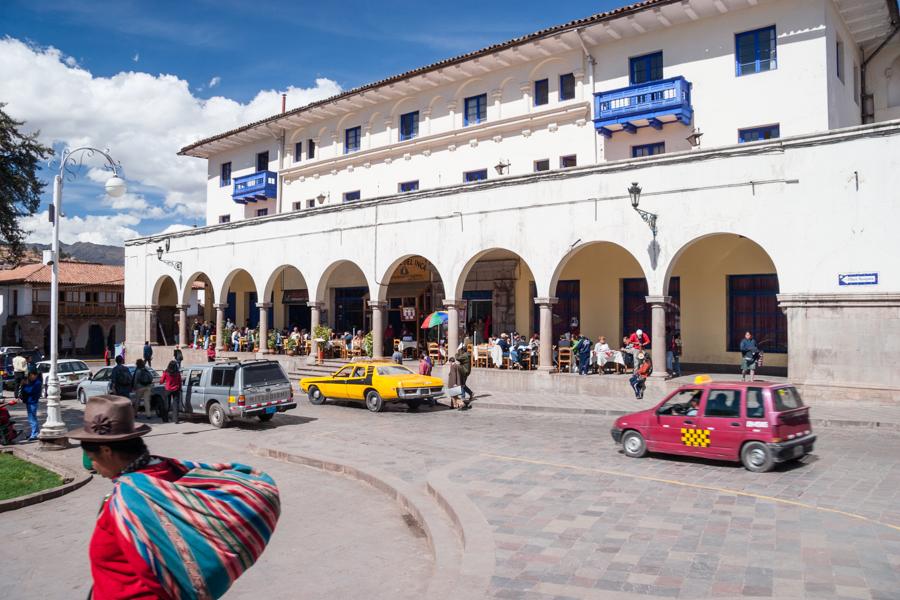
{"x":138,"y":78}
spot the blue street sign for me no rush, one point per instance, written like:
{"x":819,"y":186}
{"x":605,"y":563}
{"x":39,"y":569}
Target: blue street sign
{"x":858,"y":279}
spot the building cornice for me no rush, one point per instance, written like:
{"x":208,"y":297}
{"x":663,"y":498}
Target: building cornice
{"x":848,"y":300}
{"x":883,"y":129}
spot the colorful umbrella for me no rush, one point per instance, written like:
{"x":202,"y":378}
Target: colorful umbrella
{"x":436,"y":318}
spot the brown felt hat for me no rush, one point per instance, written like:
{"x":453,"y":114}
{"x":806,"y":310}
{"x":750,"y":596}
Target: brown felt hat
{"x":108,"y":419}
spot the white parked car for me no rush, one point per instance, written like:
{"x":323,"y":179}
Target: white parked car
{"x":71,"y":372}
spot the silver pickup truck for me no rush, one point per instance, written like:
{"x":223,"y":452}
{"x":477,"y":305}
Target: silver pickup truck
{"x":227,"y":390}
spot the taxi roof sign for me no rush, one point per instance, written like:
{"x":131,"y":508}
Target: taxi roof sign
{"x":701,"y":379}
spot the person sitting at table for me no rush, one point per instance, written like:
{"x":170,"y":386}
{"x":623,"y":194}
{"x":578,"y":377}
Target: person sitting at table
{"x":626,"y":354}
{"x":397,"y":356}
{"x":503,"y":342}
{"x":406,"y":336}
{"x":604,"y":354}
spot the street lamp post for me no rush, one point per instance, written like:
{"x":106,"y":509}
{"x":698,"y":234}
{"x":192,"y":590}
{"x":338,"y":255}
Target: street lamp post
{"x":53,"y":432}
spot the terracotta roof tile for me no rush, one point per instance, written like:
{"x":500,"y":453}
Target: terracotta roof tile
{"x":70,"y":273}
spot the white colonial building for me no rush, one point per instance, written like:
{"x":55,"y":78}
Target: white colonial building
{"x":760,"y":134}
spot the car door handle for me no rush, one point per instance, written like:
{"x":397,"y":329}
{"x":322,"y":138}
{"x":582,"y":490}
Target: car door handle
{"x":735,"y":424}
{"x":688,"y":422}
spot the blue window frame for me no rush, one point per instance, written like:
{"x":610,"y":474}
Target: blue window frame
{"x":479,"y":175}
{"x":351,"y":139}
{"x":225,"y":175}
{"x":310,"y":149}
{"x":648,"y":67}
{"x":755,"y":51}
{"x":648,"y":149}
{"x":476,"y":109}
{"x":408,"y":186}
{"x":409,"y":126}
{"x":567,"y":86}
{"x":541,"y":92}
{"x":351,"y":196}
{"x":298,"y":150}
{"x":752,"y":134}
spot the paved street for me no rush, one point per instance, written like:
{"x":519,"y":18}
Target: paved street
{"x":568,"y":515}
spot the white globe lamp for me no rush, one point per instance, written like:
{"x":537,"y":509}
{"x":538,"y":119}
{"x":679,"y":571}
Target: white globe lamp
{"x":115,"y":186}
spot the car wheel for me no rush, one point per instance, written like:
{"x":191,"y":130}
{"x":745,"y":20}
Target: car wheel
{"x":634,"y":445}
{"x":216,"y":414}
{"x":315,"y":395}
{"x":757,"y":457}
{"x":82,"y":397}
{"x":374,"y":401}
{"x":266,"y":417}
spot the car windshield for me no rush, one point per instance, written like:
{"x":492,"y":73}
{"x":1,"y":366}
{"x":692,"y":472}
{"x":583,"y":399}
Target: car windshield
{"x":263,"y":374}
{"x":394,"y":370}
{"x":786,"y":398}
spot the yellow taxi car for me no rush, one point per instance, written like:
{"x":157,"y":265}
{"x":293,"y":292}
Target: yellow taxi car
{"x":375,"y":383}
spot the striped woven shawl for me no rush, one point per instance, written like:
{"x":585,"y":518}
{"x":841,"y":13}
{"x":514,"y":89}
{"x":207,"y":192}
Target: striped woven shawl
{"x":197,"y":534}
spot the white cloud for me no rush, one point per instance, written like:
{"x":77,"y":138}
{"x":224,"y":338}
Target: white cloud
{"x":214,"y":81}
{"x":142,"y":119}
{"x":111,"y":230}
{"x":136,"y":57}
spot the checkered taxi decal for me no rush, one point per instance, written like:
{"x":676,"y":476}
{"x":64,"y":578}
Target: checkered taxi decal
{"x":695,"y":437}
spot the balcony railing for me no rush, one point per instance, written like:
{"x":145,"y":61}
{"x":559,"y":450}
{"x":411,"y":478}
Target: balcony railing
{"x":650,"y":104}
{"x":79,"y":309}
{"x":259,"y":186}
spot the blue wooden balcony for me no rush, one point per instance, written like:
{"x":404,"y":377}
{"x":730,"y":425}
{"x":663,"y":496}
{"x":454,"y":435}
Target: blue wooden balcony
{"x":258,"y":186}
{"x":650,"y":104}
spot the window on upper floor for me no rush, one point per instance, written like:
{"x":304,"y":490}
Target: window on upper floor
{"x":408,"y":186}
{"x":351,"y":139}
{"x":755,"y":51}
{"x":351,"y":196}
{"x":262,"y":161}
{"x":568,"y":161}
{"x":839,"y":59}
{"x":261,"y":212}
{"x":310,"y":149}
{"x":542,"y":165}
{"x":225,"y":174}
{"x":648,"y":67}
{"x":224,"y":218}
{"x":567,"y":86}
{"x":409,"y":125}
{"x":752,"y":134}
{"x":476,"y":110}
{"x":541,"y":92}
{"x":471,"y":176}
{"x":648,"y":149}
{"x":298,"y":151}
{"x":298,"y":205}
{"x":311,"y":203}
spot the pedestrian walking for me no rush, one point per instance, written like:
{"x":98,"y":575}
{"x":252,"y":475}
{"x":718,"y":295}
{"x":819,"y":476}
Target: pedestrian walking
{"x":20,"y":370}
{"x":465,"y":368}
{"x":673,"y":355}
{"x":143,"y":387}
{"x":638,"y":379}
{"x":171,"y":380}
{"x":148,"y":354}
{"x":106,"y":355}
{"x":178,"y":356}
{"x":30,"y":395}
{"x":583,"y":351}
{"x":169,"y":529}
{"x":121,"y":380}
{"x":211,"y":353}
{"x":425,"y":365}
{"x":749,"y":356}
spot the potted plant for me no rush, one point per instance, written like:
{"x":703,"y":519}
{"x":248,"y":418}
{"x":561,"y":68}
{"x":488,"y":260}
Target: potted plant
{"x":291,"y":346}
{"x":321,"y":334}
{"x":270,"y":341}
{"x":367,"y":344}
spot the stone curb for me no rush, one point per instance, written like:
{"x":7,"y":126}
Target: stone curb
{"x":477,"y":538}
{"x":447,"y":581}
{"x":837,"y":423}
{"x":72,"y":480}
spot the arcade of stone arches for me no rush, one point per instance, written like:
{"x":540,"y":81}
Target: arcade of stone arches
{"x":717,"y":288}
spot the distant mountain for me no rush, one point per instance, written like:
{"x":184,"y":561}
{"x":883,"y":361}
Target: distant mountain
{"x":88,"y":252}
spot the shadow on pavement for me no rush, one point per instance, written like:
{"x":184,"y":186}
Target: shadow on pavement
{"x":783,"y":467}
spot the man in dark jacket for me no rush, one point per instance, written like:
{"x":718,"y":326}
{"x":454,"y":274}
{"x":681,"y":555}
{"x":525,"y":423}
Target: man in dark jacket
{"x":148,"y":354}
{"x":121,"y":379}
{"x":30,"y":394}
{"x":465,"y":367}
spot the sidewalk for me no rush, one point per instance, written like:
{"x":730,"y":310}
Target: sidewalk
{"x":871,"y":415}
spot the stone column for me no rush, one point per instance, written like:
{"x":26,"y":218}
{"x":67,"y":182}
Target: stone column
{"x":152,"y":324}
{"x":377,"y":327}
{"x":452,"y":326}
{"x":182,"y":325}
{"x":220,"y":326}
{"x":264,"y":326}
{"x":545,"y":355}
{"x":658,"y":333}
{"x":315,"y":309}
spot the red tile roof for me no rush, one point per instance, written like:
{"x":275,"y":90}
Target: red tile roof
{"x":70,"y":273}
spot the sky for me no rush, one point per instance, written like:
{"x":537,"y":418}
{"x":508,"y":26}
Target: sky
{"x":142,"y":79}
